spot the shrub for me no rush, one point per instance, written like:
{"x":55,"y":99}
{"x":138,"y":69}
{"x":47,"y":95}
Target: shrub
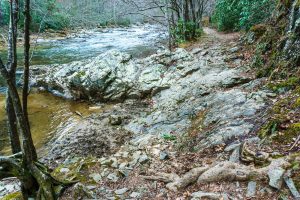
{"x":241,"y":14}
{"x":183,"y":32}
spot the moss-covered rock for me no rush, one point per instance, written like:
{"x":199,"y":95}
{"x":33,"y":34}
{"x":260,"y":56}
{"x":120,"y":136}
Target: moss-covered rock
{"x":13,"y":196}
{"x":280,"y":35}
{"x":77,"y":170}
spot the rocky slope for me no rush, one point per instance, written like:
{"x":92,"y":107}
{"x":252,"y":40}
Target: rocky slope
{"x":178,"y":86}
{"x":182,"y":116}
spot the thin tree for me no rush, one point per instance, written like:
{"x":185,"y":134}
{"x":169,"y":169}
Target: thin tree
{"x":12,"y":66}
{"x":35,"y":177}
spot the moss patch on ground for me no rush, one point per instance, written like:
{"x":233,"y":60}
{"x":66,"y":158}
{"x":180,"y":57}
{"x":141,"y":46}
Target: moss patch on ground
{"x":282,"y":86}
{"x":283,"y":125}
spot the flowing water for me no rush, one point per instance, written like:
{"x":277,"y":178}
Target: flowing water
{"x":47,"y":112}
{"x":137,"y":40}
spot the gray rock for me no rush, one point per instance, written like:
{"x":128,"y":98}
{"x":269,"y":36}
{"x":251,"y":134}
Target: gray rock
{"x":163,"y":155}
{"x":115,"y":163}
{"x":112,"y":76}
{"x":113,"y":177}
{"x":96,"y":177}
{"x":208,"y":195}
{"x":234,"y":49}
{"x":232,"y":147}
{"x":124,"y":172}
{"x":235,"y":156}
{"x":121,"y":191}
{"x":290,"y":183}
{"x":276,"y":177}
{"x":266,"y":190}
{"x":143,"y":159}
{"x":9,"y":187}
{"x":123,"y":165}
{"x":135,"y":158}
{"x":105,"y":172}
{"x":135,"y":195}
{"x":251,"y":191}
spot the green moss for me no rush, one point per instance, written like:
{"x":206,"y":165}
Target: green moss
{"x":297,"y":103}
{"x":13,"y":196}
{"x":80,"y":74}
{"x":290,"y":83}
{"x":287,"y":136}
{"x":269,"y":129}
{"x":78,"y":171}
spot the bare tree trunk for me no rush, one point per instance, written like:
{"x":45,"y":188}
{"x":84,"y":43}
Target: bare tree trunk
{"x":192,"y":7}
{"x":26,"y":57}
{"x":12,"y":66}
{"x":12,"y":126}
{"x":186,"y":17}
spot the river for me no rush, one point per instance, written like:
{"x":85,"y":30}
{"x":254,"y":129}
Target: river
{"x":47,"y":112}
{"x":139,"y":41}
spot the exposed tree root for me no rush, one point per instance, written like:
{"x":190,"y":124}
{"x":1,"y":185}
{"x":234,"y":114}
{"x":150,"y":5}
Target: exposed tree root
{"x":176,"y":182}
{"x":34,"y":177}
{"x":224,"y":171}
{"x":186,"y":179}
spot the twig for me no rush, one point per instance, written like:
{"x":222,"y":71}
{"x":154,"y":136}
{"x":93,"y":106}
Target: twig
{"x":295,"y":143}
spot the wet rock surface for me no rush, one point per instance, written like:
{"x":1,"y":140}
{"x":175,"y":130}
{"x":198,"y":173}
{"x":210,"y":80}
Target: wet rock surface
{"x":178,"y":86}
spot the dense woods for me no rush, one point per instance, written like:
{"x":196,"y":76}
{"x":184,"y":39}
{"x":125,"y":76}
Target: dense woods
{"x":231,"y":95}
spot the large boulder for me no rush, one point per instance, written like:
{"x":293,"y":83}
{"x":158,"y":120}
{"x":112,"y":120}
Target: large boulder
{"x":112,"y":76}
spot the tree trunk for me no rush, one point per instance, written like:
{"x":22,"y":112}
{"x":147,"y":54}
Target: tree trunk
{"x":192,"y":6}
{"x":12,"y":66}
{"x":26,"y":57}
{"x":12,"y":126}
{"x":186,"y":17}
